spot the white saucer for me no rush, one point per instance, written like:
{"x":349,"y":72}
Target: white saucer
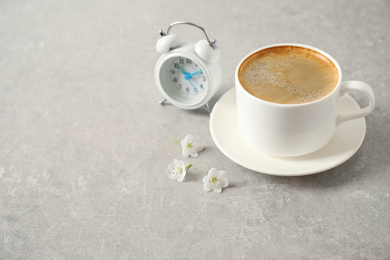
{"x":344,"y":144}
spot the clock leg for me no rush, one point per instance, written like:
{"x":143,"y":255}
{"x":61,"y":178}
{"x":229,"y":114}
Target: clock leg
{"x":207,"y":107}
{"x":162,"y":101}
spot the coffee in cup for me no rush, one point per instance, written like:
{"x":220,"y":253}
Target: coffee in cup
{"x":288,"y":75}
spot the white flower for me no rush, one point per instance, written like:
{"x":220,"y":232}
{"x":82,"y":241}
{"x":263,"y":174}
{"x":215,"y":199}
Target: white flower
{"x":191,"y":146}
{"x":215,"y":180}
{"x":177,"y":170}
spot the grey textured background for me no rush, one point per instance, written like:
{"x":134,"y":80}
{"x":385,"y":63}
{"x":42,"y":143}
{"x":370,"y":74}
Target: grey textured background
{"x":84,"y":144}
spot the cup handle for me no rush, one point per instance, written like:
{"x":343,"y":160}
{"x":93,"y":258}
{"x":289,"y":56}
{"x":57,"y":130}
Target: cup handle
{"x":361,"y":87}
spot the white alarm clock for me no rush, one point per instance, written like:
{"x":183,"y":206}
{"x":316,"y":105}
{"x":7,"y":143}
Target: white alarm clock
{"x":187,"y":74}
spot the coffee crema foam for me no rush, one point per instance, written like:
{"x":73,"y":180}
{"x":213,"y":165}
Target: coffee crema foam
{"x":288,"y":75}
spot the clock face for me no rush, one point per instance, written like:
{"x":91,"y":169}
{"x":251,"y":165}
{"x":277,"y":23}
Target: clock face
{"x":186,"y":76}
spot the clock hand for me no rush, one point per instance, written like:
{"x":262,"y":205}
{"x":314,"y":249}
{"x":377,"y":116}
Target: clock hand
{"x":193,"y":85}
{"x":185,"y":73}
{"x":192,"y":74}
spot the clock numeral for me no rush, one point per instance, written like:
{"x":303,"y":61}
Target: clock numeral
{"x":189,"y":61}
{"x":175,"y":79}
{"x":172,"y":71}
{"x":201,"y":86}
{"x":204,"y":78}
{"x":176,"y":65}
{"x":181,"y":61}
{"x":180,"y":85}
{"x":188,"y":89}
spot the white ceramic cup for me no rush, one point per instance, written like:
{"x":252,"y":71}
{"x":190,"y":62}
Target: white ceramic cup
{"x":295,"y":129}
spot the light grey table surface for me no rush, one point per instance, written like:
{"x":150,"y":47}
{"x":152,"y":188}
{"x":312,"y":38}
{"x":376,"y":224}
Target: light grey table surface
{"x":85,"y":146}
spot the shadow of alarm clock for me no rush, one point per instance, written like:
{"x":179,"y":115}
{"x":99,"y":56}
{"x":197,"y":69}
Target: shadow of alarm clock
{"x":187,"y":74}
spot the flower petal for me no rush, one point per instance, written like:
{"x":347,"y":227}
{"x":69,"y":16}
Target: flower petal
{"x":212,"y":172}
{"x":189,"y":138}
{"x":207,"y":186}
{"x":181,"y":164}
{"x":172,"y":175}
{"x":185,"y":152}
{"x":206,"y":179}
{"x":197,"y":147}
{"x":220,"y":174}
{"x":193,"y":152}
{"x":217,"y":187}
{"x":180,"y":178}
{"x":176,"y":162}
{"x":224,"y":182}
